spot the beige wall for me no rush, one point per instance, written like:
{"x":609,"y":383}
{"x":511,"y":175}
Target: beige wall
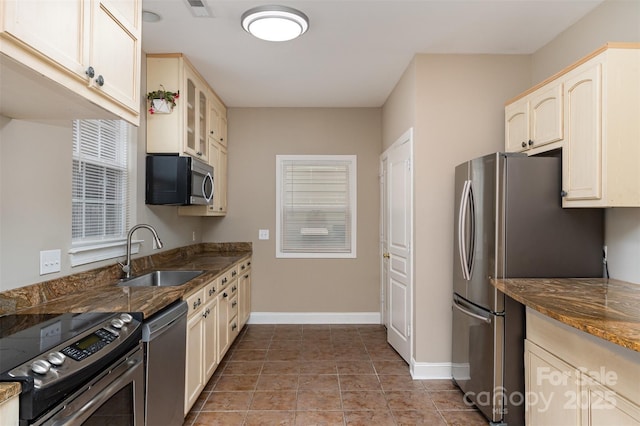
{"x":458,"y":102}
{"x":256,"y":136}
{"x":613,"y":20}
{"x":35,"y":201}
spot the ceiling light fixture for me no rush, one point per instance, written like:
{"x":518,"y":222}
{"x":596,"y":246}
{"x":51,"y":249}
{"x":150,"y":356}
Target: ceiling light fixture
{"x":148,"y":16}
{"x":275,"y":23}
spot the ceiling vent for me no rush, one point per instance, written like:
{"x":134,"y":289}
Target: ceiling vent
{"x":198,"y":8}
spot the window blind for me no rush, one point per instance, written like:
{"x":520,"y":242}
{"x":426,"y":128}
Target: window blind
{"x":316,"y":206}
{"x":99,"y":185}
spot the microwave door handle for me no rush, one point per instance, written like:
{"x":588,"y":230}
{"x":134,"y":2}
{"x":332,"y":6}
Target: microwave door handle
{"x":206,"y":196}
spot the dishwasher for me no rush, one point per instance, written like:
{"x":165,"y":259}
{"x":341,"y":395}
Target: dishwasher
{"x":164,"y":338}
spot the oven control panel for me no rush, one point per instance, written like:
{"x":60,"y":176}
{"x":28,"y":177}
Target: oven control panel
{"x":101,"y":339}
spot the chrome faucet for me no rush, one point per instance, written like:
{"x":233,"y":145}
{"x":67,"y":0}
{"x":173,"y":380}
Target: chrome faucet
{"x":126,"y":268}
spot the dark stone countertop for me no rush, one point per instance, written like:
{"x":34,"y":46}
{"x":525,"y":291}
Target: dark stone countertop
{"x":609,"y":309}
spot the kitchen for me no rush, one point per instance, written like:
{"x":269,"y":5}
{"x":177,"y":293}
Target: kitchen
{"x":422,"y":99}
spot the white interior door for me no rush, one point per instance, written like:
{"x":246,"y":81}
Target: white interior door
{"x":396,"y":244}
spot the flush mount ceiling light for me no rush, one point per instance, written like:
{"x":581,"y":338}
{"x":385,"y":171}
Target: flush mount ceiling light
{"x":275,"y":23}
{"x":148,"y":16}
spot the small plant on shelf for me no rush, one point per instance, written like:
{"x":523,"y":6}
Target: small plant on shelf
{"x":162,"y":101}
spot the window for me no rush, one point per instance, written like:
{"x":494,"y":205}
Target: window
{"x":316,"y":206}
{"x":100,"y":196}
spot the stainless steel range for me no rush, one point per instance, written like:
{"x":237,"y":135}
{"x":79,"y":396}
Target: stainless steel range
{"x":75,"y":368}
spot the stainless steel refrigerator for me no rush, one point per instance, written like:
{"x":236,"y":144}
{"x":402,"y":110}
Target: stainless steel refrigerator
{"x":509,"y":224}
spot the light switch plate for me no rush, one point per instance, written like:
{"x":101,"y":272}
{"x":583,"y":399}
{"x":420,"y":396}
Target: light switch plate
{"x":263,"y":234}
{"x":49,"y":261}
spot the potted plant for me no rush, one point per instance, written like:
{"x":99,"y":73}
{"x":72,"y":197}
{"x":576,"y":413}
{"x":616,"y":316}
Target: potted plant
{"x":162,"y":101}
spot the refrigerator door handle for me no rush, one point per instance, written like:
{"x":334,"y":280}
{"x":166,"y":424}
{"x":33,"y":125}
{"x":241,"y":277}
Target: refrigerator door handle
{"x":472,"y":231}
{"x":465,"y":252}
{"x":471,"y":314}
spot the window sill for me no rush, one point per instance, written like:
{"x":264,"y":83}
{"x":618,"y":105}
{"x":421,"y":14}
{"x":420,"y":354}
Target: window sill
{"x":92,"y":252}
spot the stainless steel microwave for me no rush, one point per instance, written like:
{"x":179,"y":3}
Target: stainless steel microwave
{"x":178,"y":180}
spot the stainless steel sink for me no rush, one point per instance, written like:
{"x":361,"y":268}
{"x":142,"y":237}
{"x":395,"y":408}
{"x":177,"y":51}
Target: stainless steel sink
{"x":161,"y":279}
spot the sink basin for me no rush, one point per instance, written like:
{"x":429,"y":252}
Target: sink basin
{"x":161,"y":279}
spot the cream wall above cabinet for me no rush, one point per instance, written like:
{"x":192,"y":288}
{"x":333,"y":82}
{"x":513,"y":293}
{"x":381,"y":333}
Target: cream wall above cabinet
{"x":591,"y":111}
{"x":82,"y":53}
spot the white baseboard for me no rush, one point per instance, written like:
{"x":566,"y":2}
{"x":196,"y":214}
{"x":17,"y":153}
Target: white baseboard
{"x":314,"y":318}
{"x":430,"y":370}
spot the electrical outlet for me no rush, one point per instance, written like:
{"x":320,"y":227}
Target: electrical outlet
{"x":263,"y":234}
{"x":49,"y":261}
{"x":604,"y":254}
{"x":193,"y":236}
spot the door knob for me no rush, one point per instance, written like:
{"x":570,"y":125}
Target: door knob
{"x":386,"y":255}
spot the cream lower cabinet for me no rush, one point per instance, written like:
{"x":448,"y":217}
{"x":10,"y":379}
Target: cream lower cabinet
{"x":201,"y":359}
{"x":244,"y":293}
{"x":9,"y":411}
{"x":573,"y":378}
{"x":91,"y":48}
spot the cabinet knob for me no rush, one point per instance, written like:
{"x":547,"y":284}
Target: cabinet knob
{"x":100,"y":81}
{"x":563,"y":194}
{"x":524,"y":144}
{"x":225,"y":295}
{"x":90,"y":72}
{"x":234,"y":273}
{"x":199,"y":153}
{"x":246,"y":276}
{"x":530,"y":142}
{"x":233,"y":305}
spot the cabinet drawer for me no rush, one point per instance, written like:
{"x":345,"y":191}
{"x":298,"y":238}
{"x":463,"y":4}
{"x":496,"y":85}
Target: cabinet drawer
{"x":244,"y":266}
{"x":195,"y":302}
{"x":233,"y":306}
{"x":211,"y":289}
{"x":228,"y":276}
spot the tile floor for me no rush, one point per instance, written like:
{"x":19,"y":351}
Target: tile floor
{"x":323,"y":375}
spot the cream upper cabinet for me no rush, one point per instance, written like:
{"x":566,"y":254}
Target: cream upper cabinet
{"x":91,"y":48}
{"x":184,"y":130}
{"x":534,"y":120}
{"x":601,"y":152}
{"x":218,"y":160}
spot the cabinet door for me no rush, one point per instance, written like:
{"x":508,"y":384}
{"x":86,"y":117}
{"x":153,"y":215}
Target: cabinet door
{"x":195,"y":141}
{"x":210,"y":332}
{"x":223,"y":323}
{"x":222,"y":181}
{"x":546,"y":116}
{"x":601,"y":406}
{"x":582,"y":150}
{"x":194,"y":382}
{"x":214,"y":120}
{"x":516,"y":130}
{"x":53,"y":28}
{"x":244,"y":283}
{"x":552,"y":389}
{"x":115,"y":50}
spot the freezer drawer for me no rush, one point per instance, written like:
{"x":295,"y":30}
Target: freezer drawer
{"x":478,"y":345}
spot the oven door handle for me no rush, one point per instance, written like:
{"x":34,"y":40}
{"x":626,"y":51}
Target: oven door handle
{"x":83,"y":404}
